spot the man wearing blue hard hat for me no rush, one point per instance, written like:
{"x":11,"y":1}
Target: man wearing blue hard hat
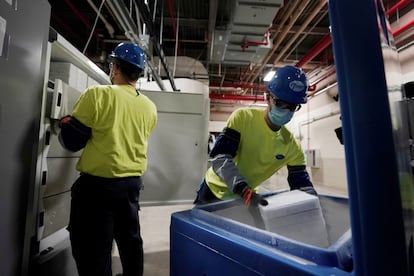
{"x":112,"y":124}
{"x":255,"y":144}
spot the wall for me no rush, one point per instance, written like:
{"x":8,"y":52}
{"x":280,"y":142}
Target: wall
{"x":407,"y":64}
{"x":315,"y":128}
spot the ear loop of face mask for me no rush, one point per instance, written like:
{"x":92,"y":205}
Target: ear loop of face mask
{"x":111,"y":69}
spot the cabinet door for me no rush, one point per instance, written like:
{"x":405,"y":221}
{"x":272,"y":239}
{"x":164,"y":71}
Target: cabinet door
{"x":23,"y":37}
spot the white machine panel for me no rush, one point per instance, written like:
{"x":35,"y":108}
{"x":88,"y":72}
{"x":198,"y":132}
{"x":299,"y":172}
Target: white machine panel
{"x":177,"y":151}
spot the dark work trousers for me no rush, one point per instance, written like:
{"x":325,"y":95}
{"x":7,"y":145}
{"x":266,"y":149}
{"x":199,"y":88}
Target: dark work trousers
{"x":104,"y":209}
{"x":205,"y":195}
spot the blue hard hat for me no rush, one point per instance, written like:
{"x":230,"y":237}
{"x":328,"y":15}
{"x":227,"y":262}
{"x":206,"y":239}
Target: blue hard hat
{"x":289,"y":84}
{"x":131,"y":53}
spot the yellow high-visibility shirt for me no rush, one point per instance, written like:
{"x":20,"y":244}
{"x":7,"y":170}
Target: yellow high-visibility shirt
{"x":121,"y":121}
{"x":261,"y":151}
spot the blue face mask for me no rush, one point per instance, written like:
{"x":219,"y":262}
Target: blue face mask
{"x":280,"y":116}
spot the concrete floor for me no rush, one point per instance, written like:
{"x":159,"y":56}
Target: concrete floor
{"x":155,"y":227}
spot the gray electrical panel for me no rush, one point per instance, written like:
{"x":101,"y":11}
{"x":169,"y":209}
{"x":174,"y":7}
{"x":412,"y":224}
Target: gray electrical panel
{"x":42,"y":75}
{"x":24,"y":27}
{"x":69,"y":73}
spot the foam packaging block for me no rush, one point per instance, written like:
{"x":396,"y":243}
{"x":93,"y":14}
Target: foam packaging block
{"x":70,"y":74}
{"x":296,"y":215}
{"x":91,"y":82}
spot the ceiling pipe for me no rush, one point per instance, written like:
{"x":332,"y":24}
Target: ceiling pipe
{"x":322,"y":45}
{"x":236,"y":97}
{"x":172,"y":18}
{"x":327,"y":41}
{"x":291,"y":16}
{"x":315,"y":92}
{"x":314,"y":13}
{"x":403,"y":28}
{"x":329,"y":73}
{"x":108,"y":26}
{"x":310,"y":29}
{"x":248,"y":43}
{"x":67,"y":28}
{"x":397,"y":6}
{"x":280,"y":12}
{"x":287,"y":9}
{"x":122,"y":15}
{"x":324,"y":41}
{"x":157,"y":47}
{"x":212,"y":14}
{"x":80,"y":15}
{"x":237,"y":85}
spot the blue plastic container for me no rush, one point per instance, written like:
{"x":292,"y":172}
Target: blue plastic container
{"x":203,"y":241}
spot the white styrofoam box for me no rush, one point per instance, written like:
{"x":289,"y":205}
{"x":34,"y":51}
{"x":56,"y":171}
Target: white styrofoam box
{"x":69,"y":73}
{"x":296,"y":215}
{"x":91,"y":82}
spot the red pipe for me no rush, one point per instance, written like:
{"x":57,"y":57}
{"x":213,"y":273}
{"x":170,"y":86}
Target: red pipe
{"x":322,"y":44}
{"x":247,"y":43}
{"x":237,"y":85}
{"x":314,"y":84}
{"x":81,"y":17}
{"x":236,"y":97}
{"x":403,"y":28}
{"x":248,"y":68}
{"x":79,"y":14}
{"x":277,"y":15}
{"x":171,"y":11}
{"x":397,"y":6}
{"x":66,"y":27}
{"x":395,"y":33}
{"x":326,"y":41}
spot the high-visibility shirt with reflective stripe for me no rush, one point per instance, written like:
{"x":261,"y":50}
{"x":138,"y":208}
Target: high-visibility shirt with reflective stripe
{"x":261,"y":151}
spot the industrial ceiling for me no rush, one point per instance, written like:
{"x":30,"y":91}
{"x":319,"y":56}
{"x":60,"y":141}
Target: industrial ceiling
{"x":236,"y":41}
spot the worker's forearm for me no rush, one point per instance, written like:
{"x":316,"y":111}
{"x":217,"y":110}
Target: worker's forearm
{"x":225,"y":168}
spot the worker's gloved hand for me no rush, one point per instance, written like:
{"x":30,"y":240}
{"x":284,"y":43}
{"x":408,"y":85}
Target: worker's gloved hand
{"x":64,"y":120}
{"x":250,"y":198}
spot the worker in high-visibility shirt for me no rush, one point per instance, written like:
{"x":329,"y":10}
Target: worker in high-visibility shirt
{"x":255,"y":144}
{"x":113,"y":124}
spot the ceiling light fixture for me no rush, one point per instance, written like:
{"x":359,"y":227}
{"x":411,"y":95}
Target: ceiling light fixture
{"x":269,"y":75}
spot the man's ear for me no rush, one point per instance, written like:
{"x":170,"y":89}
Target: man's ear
{"x":267,"y":96}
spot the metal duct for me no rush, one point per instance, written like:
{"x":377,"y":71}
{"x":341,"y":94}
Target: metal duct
{"x":244,"y":40}
{"x":131,"y":31}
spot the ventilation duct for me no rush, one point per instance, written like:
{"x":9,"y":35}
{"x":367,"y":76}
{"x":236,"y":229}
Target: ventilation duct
{"x":245,"y":39}
{"x":185,"y":67}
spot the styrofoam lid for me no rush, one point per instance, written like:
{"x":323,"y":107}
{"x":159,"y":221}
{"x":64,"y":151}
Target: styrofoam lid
{"x":288,"y":203}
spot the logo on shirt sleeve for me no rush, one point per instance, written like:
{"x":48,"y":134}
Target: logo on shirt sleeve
{"x":279,"y":156}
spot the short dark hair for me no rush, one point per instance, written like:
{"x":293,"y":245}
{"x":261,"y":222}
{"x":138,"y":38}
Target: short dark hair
{"x":130,"y":71}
